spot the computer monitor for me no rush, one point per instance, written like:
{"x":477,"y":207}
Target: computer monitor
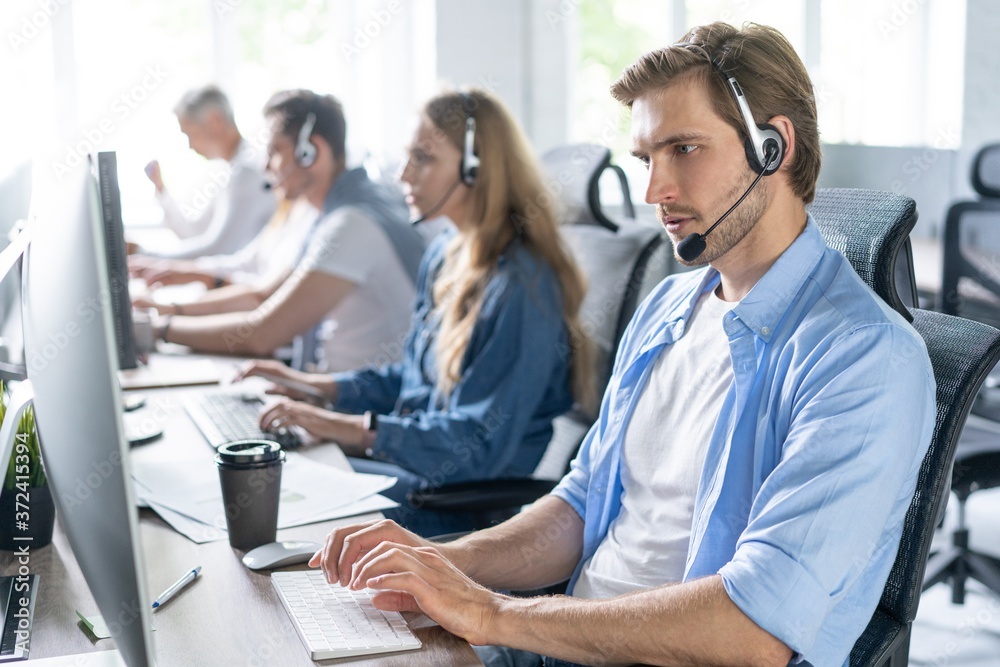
{"x":15,"y":200}
{"x":72,"y":364}
{"x":117,"y":258}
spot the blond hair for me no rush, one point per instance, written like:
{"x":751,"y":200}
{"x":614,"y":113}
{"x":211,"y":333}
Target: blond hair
{"x":769,"y":71}
{"x":509,"y":198}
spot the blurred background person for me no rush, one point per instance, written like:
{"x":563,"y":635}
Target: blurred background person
{"x":347,"y":302}
{"x":495,"y":351}
{"x":227,"y":222}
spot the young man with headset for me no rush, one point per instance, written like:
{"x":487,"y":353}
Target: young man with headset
{"x":741,"y":498}
{"x":357,"y":272}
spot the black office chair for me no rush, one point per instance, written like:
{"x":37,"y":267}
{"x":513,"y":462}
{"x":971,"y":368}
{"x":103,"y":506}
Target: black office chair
{"x":614,"y":255}
{"x":970,"y":280}
{"x":970,"y":286}
{"x":871,"y":228}
{"x":962,"y":353}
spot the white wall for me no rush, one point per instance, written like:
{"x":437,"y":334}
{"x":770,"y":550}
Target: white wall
{"x":499,"y":46}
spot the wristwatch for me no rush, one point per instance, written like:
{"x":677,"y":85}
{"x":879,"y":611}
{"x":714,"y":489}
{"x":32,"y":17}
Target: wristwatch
{"x":370,"y":423}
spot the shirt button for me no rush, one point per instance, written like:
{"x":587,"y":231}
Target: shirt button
{"x":765,"y":331}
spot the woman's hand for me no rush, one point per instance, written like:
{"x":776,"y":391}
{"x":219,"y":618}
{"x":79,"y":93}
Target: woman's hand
{"x":315,"y":388}
{"x":348,"y":431}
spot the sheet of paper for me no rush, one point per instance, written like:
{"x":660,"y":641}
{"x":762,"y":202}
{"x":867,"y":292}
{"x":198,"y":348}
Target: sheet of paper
{"x":188,"y":495}
{"x":201,"y":533}
{"x":92,"y":659}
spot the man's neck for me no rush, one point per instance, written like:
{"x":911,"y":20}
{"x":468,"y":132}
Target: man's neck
{"x":231,"y":145}
{"x":316,"y":195}
{"x":750,"y":259}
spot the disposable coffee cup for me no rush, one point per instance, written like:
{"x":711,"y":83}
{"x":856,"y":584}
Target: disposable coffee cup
{"x":250,"y":475}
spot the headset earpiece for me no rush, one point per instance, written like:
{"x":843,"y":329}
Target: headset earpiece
{"x":305,"y":149}
{"x":764,"y":140}
{"x":469,"y":166}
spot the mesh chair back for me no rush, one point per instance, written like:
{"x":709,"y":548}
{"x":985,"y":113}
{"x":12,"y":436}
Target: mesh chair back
{"x":970,"y":280}
{"x":962,"y":352}
{"x":869,"y":227}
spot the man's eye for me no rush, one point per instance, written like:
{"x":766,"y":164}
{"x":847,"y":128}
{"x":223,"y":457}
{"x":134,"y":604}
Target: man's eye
{"x":644,"y":160}
{"x":686,"y":149}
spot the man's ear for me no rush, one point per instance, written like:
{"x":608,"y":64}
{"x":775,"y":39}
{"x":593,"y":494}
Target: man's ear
{"x":783,"y":125}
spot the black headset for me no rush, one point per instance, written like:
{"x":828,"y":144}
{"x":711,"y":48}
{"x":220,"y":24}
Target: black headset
{"x":305,"y":149}
{"x":764,"y":145}
{"x":468,"y":168}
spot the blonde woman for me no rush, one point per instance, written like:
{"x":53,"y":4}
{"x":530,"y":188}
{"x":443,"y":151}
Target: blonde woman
{"x":495,"y":350}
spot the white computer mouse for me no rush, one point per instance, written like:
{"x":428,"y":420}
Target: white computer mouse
{"x":280,"y":554}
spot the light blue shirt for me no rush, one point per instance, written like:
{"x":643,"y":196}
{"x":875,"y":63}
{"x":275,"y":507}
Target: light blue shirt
{"x":814,"y":457}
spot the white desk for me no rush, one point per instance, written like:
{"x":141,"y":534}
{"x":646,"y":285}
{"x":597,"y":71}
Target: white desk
{"x":231,"y":615}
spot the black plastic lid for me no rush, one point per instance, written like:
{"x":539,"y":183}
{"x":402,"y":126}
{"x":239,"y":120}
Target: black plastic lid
{"x":243,"y":452}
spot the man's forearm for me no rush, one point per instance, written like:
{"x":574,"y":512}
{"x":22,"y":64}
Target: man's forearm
{"x":694,"y":623}
{"x":229,"y":299}
{"x":538,"y":547}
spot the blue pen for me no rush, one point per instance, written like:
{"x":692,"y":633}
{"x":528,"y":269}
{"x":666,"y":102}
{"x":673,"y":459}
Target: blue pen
{"x":188,"y":577}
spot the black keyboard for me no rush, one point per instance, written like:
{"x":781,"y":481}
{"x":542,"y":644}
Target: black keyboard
{"x":223,"y":417}
{"x":15,"y":639}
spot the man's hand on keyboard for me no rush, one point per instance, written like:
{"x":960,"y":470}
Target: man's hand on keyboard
{"x":410,"y":574}
{"x":345,"y":545}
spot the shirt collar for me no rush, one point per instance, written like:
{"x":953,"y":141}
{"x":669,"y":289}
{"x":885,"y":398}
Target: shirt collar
{"x":769,"y":299}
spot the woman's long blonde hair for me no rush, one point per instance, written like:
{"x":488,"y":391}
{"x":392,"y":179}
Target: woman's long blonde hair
{"x":509,"y":198}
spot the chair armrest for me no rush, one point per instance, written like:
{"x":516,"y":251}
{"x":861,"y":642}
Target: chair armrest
{"x":482,"y":495}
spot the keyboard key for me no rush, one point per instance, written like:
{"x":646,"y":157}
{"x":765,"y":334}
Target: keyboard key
{"x":335,"y":622}
{"x":226,"y":416}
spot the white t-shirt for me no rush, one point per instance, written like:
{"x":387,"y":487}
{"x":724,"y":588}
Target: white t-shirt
{"x":273,"y":253}
{"x":662,"y":460}
{"x":226,"y":222}
{"x":369,"y":325}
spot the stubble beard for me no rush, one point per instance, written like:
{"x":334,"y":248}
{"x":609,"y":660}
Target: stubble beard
{"x":739,"y":223}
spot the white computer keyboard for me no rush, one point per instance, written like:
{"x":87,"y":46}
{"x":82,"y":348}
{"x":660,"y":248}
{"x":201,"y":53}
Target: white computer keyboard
{"x":336,"y":622}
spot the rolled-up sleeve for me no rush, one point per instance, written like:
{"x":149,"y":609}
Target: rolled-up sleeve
{"x":827,"y":521}
{"x":373,"y":389}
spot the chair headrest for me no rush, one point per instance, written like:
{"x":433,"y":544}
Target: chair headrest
{"x":986,"y":171}
{"x":576,"y":170}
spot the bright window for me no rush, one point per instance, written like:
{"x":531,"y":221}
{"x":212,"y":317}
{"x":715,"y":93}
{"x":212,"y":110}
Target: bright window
{"x":886,"y":72}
